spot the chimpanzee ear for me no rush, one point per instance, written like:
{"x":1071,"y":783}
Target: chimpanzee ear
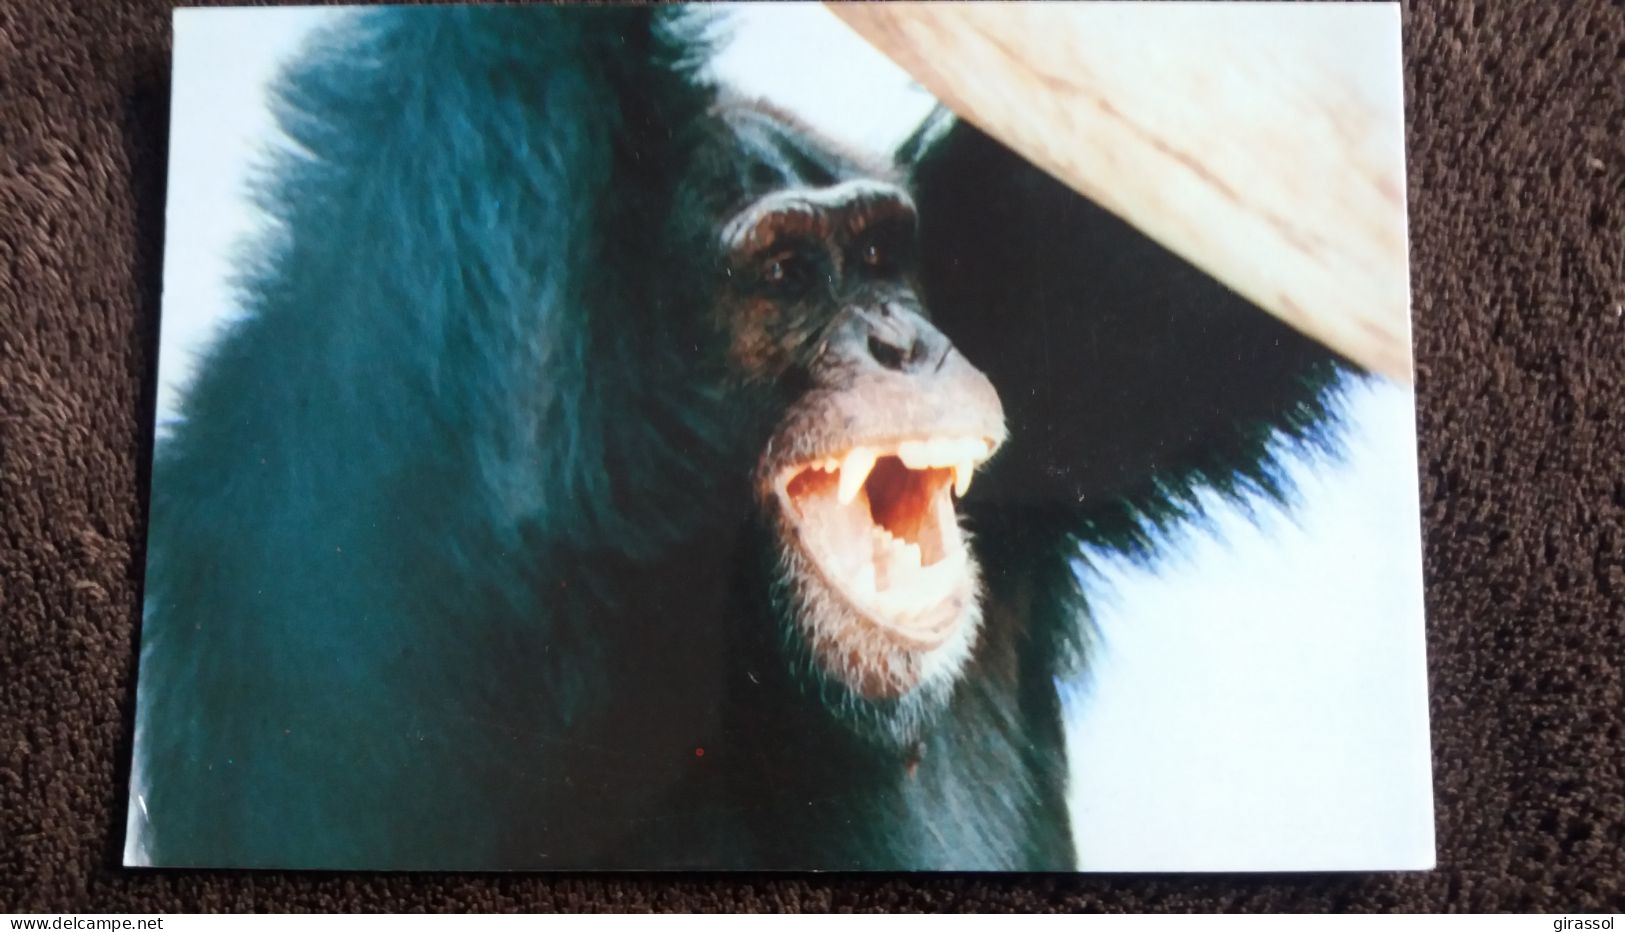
{"x":920,"y":143}
{"x":1130,"y":378}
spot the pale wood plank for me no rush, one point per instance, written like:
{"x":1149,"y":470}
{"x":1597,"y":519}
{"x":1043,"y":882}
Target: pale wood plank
{"x":1263,"y":142}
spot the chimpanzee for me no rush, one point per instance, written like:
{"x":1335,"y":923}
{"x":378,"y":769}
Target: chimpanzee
{"x":610,"y":471}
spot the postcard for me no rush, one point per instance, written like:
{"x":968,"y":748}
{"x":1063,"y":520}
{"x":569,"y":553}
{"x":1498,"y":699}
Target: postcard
{"x":972,"y":437}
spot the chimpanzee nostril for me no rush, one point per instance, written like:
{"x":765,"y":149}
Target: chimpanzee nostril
{"x":917,"y":353}
{"x":888,"y":354}
{"x":900,"y":339}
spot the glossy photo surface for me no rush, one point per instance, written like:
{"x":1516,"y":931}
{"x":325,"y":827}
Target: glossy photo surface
{"x":733,"y":438}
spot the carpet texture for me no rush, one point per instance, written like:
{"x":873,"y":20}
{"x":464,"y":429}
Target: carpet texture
{"x":1516,"y":116}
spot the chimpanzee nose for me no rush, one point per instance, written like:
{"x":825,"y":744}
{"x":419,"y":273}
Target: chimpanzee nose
{"x":903,"y":341}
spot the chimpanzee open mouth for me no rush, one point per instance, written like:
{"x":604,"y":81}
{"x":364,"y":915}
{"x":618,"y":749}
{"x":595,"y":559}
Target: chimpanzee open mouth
{"x":879,"y":523}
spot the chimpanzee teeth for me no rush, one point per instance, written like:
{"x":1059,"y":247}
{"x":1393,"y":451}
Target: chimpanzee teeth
{"x":911,"y":556}
{"x":959,"y":455}
{"x":855,"y":468}
{"x":941,"y":453}
{"x":897,"y":545}
{"x":896,"y":562}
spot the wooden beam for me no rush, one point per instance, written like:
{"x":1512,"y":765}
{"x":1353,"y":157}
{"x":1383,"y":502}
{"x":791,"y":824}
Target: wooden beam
{"x":1262,"y":142}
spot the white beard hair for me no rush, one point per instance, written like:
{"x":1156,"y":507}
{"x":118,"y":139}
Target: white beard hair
{"x":827,"y":634}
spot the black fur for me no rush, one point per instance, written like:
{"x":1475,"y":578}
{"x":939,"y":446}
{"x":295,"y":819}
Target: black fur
{"x":452,"y":561}
{"x":1131,"y":380}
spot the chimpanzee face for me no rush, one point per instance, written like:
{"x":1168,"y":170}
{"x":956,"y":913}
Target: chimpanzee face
{"x":883,"y":424}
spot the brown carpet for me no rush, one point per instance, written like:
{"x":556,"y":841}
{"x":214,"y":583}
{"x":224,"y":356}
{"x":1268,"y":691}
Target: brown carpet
{"x":1517,"y":179}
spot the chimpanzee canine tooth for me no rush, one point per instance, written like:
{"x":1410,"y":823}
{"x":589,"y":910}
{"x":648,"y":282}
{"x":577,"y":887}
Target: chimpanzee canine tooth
{"x":855,"y":467}
{"x":962,"y":474}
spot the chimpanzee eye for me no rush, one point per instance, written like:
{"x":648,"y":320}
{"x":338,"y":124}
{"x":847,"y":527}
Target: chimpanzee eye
{"x":785,"y":271}
{"x":873,"y":255}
